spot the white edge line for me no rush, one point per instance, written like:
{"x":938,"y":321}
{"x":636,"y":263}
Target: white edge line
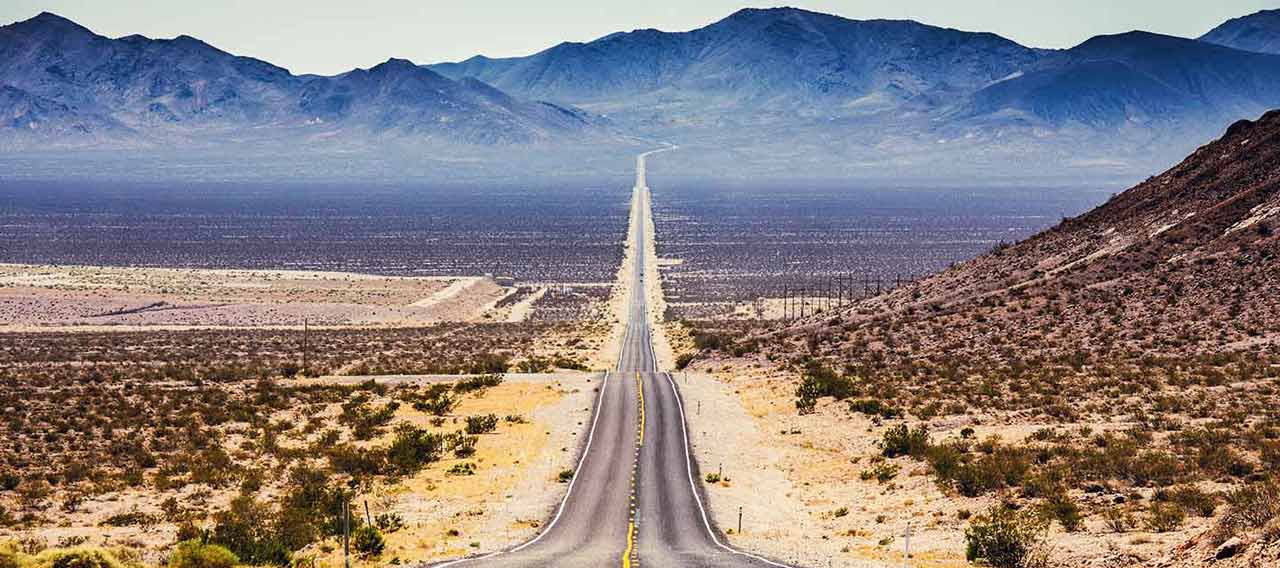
{"x":563,"y":502}
{"x":697,"y":499}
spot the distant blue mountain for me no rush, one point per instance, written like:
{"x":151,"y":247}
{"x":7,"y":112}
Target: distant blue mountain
{"x":783,"y":90}
{"x":62,"y":84}
{"x":1259,"y":32}
{"x":770,"y":57}
{"x":1137,"y":77}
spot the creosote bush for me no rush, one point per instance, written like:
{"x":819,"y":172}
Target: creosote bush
{"x":821,"y":381}
{"x":196,"y":554}
{"x":1003,"y":537}
{"x":902,"y":440}
{"x":368,"y":541}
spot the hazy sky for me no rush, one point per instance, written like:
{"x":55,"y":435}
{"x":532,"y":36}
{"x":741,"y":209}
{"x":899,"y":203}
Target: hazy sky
{"x":331,"y":36}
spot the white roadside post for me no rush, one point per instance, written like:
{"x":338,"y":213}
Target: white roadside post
{"x":906,"y":547}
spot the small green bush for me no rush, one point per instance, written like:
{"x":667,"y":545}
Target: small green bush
{"x":1164,"y":517}
{"x":195,"y":554}
{"x":78,"y":558}
{"x":9,"y":556}
{"x":901,"y":440}
{"x":565,"y":476}
{"x":481,"y":382}
{"x":413,"y":448}
{"x":874,"y":407}
{"x":1005,"y":538}
{"x":482,"y":424}
{"x":882,"y":472}
{"x":1249,"y":508}
{"x":368,"y":541}
{"x":820,"y":381}
{"x":1062,"y":507}
{"x":464,"y":468}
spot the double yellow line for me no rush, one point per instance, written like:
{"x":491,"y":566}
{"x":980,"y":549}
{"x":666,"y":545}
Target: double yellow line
{"x":640,"y":385}
{"x":631,"y":526}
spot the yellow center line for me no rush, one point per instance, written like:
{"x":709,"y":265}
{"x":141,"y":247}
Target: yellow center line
{"x":640,"y":385}
{"x":631,"y":542}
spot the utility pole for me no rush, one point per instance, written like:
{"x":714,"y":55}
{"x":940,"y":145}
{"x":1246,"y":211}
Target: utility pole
{"x":739,"y":519}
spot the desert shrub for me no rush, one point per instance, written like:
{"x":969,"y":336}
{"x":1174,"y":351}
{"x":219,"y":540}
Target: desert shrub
{"x":130,"y":518}
{"x":1118,"y":519}
{"x":565,"y":476}
{"x":10,"y":557}
{"x":711,"y":341}
{"x":882,"y":472}
{"x":413,"y":448}
{"x":1063,"y":508}
{"x":356,"y":461}
{"x":819,"y":381}
{"x":368,"y":541}
{"x":534,"y":364}
{"x":477,"y":383}
{"x":1155,"y":468}
{"x":310,"y":507}
{"x":1249,"y":508}
{"x":489,"y":364}
{"x":874,"y":407}
{"x":1164,"y":517}
{"x":389,"y":522}
{"x":902,"y":440}
{"x":482,"y":424}
{"x":1006,"y":538}
{"x":247,"y":529}
{"x":196,"y":554}
{"x":464,"y":468}
{"x":78,"y":558}
{"x":562,"y":362}
{"x":683,"y":360}
{"x":365,"y":421}
{"x":462,"y":445}
{"x":1195,"y":500}
{"x":437,"y":403}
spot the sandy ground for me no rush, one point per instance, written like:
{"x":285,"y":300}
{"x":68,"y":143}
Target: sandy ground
{"x":512,"y":492}
{"x":514,"y":489}
{"x":520,"y":311}
{"x":52,"y":297}
{"x":792,"y":475}
{"x":654,"y":295}
{"x":620,"y":297}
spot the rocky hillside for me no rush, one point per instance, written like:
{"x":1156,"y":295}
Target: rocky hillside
{"x":1117,"y":377}
{"x":1184,"y":263}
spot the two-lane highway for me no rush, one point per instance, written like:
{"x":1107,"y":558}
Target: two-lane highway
{"x":635,"y":499}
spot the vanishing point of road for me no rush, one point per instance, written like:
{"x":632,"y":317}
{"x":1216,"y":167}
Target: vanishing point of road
{"x":635,"y":499}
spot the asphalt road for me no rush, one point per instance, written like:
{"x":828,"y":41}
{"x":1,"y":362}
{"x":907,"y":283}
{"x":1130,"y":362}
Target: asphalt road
{"x":636,"y":497}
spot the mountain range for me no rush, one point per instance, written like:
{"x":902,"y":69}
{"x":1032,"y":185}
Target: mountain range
{"x":777,"y":91}
{"x":63,"y":85}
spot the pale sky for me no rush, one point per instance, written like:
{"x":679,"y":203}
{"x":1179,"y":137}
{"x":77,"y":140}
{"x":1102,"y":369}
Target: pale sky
{"x":331,"y":36}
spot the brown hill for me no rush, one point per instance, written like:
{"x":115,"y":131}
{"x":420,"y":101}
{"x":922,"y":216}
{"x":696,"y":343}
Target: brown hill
{"x":1127,"y":362}
{"x":1184,"y":263}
